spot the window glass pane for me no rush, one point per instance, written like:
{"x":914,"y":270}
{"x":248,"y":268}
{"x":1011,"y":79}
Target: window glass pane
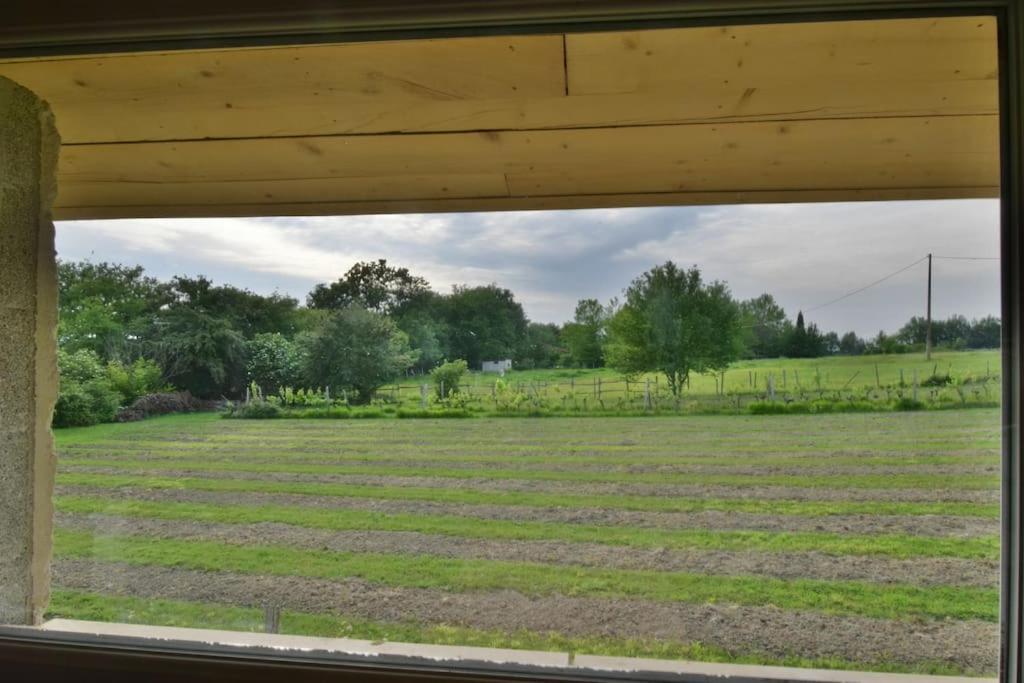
{"x":815,"y":491}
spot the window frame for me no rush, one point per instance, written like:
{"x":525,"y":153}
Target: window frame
{"x":34,"y":31}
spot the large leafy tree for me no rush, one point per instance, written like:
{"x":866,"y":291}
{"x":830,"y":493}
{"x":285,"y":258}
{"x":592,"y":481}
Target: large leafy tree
{"x":373,"y":285}
{"x":247,"y":312}
{"x":766,"y":327}
{"x":585,"y":335}
{"x":673,"y":323}
{"x":542,"y":347}
{"x":422,"y":317}
{"x":358,"y":350}
{"x":199,"y":352}
{"x":485,"y":323}
{"x":107,"y":308}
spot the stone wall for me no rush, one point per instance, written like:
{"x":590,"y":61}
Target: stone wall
{"x":28,"y":372}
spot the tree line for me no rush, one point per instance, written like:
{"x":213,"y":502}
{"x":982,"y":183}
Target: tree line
{"x":123,"y":333}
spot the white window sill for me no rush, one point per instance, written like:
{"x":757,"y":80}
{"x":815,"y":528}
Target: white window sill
{"x":457,"y":655}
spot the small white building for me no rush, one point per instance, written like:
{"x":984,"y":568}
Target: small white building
{"x":498,"y":366}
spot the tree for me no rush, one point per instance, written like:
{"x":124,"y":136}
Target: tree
{"x":586,"y":334}
{"x":851,"y":345}
{"x":199,"y":352}
{"x":805,"y":341}
{"x":485,"y":323}
{"x":673,"y":323}
{"x":106,"y":307}
{"x":766,"y":327}
{"x":542,"y":347}
{"x":358,"y":350}
{"x":247,"y":312}
{"x":986,"y":333}
{"x":422,"y":317}
{"x":274,"y":361}
{"x":373,"y":285}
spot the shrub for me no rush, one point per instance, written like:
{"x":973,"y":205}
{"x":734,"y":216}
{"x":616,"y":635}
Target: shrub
{"x":254,"y":410}
{"x":937,"y":381}
{"x":274,"y":361}
{"x":448,"y":377}
{"x":164,"y":404}
{"x":908,"y":404}
{"x":358,"y":350}
{"x":87,"y":396}
{"x":138,"y":379}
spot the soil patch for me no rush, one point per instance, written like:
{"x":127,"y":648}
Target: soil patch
{"x":920,"y":571}
{"x":914,"y":525}
{"x":969,"y":645}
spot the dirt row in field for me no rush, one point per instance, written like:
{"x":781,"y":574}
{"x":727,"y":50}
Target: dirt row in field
{"x":969,"y":645}
{"x":571,"y":487}
{"x":919,"y":571}
{"x":818,"y":469}
{"x":697,"y":491}
{"x":914,"y":525}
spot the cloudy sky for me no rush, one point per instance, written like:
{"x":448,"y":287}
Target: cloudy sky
{"x":806,"y":255}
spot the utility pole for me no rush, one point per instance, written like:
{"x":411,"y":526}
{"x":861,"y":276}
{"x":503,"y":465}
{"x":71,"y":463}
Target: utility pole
{"x":928,"y":333}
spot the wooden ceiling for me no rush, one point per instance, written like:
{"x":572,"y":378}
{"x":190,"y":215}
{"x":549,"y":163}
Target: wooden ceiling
{"x":896,"y":109}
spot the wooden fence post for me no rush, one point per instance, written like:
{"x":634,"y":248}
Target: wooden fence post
{"x":598,"y":388}
{"x":783,"y":378}
{"x":915,"y":384}
{"x":647,"y":394}
{"x":878,"y":381}
{"x":271,"y":618}
{"x":423,"y":396}
{"x":771,"y":387}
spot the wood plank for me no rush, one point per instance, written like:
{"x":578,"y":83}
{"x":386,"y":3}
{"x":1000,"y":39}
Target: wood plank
{"x":822,"y":55}
{"x":913,"y":67}
{"x":851,"y":154}
{"x":220,"y":192}
{"x":355,"y":207}
{"x":293,"y":90}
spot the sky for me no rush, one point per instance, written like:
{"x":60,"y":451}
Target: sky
{"x":805,"y":255}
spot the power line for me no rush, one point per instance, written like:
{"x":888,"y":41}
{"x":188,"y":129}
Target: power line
{"x":867,"y":286}
{"x":968,"y":258}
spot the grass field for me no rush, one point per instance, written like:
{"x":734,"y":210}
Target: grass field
{"x":854,"y":540}
{"x":974,"y":379}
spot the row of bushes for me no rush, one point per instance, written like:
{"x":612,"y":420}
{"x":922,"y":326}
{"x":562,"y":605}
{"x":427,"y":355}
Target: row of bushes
{"x":93,"y":392}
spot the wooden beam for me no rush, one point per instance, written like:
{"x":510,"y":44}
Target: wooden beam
{"x":944,"y":154}
{"x":357,"y":207}
{"x":769,"y":72}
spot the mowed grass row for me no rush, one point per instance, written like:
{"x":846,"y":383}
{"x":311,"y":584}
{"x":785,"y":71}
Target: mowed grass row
{"x":885,"y":545}
{"x":811,"y":508}
{"x":71,"y":604}
{"x":872,"y":432}
{"x":916,"y":480}
{"x":462,"y":575}
{"x":403,"y":457}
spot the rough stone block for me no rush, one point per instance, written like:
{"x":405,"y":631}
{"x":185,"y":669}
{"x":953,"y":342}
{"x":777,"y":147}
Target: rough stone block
{"x":28,"y":378}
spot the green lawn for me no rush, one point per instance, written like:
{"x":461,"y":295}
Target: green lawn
{"x":859,"y":499}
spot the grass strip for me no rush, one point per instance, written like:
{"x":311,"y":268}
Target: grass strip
{"x":810,"y":508}
{"x":898,"y":546}
{"x":329,"y":457}
{"x":858,"y":481}
{"x":468,"y":575}
{"x":670,"y":444}
{"x":68,"y":604}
